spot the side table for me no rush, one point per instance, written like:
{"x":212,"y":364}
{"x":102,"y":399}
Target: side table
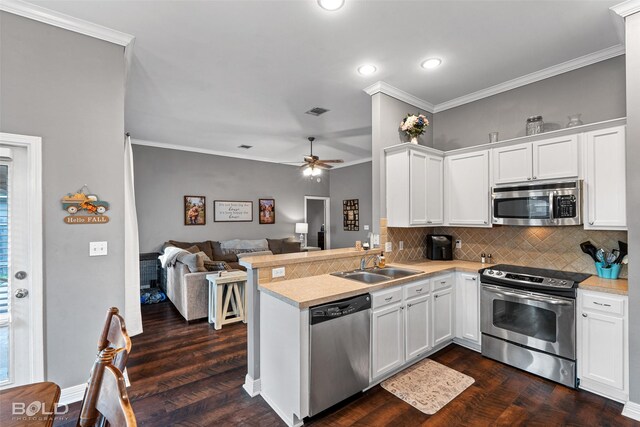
{"x":227,"y":298}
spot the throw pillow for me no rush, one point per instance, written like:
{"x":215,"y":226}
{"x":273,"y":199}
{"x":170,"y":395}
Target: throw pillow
{"x":290,"y":246}
{"x":204,"y":246}
{"x":275,"y":246}
{"x":193,"y":249}
{"x":216,"y":266}
{"x":195,"y":262}
{"x":219,"y":255}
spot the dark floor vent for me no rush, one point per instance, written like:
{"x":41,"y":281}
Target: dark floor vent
{"x":316,"y":111}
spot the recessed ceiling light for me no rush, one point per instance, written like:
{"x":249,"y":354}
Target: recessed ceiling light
{"x":331,"y":4}
{"x":367,"y":69}
{"x":431,"y":63}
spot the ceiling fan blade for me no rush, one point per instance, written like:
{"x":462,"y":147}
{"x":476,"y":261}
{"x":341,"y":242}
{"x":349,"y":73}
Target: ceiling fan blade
{"x":321,"y":165}
{"x":332,"y":161}
{"x":308,"y":158}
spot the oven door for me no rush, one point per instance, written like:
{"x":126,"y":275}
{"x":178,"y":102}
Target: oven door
{"x":539,"y":321}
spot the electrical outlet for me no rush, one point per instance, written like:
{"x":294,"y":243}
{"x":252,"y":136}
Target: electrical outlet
{"x":277,"y":272}
{"x":388,"y":247}
{"x":458,"y":244}
{"x":401,"y":245}
{"x":376,"y":240}
{"x":366,"y":228}
{"x":97,"y":248}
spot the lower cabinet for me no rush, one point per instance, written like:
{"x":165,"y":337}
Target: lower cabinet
{"x":387,"y":339}
{"x":468,"y":307}
{"x":416,"y":320}
{"x":603,"y":365}
{"x":443,"y":312}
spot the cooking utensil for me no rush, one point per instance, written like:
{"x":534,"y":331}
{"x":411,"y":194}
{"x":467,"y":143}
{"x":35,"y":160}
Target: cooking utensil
{"x":610,"y":258}
{"x":589,"y":249}
{"x":600,"y":255}
{"x":623,"y":251}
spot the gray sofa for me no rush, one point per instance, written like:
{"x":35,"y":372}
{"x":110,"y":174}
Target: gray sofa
{"x":189,"y":291}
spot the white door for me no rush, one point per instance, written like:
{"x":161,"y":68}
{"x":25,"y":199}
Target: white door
{"x":387,"y":340}
{"x":20,"y":279}
{"x":435,"y":190}
{"x":416,"y":315}
{"x":512,"y":164}
{"x":468,"y":313}
{"x":602,"y":349}
{"x":442,"y":316}
{"x":556,"y":158}
{"x":467,"y":189}
{"x":418,"y":187}
{"x":605,"y":178}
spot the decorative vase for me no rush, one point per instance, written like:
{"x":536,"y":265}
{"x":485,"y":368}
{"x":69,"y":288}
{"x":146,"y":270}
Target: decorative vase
{"x":574,"y":120}
{"x":414,"y":140}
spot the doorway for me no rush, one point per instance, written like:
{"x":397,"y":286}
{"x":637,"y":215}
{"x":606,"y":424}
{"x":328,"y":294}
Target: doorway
{"x":21,"y":309}
{"x":317,"y":216}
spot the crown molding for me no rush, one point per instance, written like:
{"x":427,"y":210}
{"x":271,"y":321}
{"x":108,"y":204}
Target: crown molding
{"x":394,"y":92}
{"x":243,"y":156}
{"x":546,"y":73}
{"x":57,"y":19}
{"x":626,"y":8}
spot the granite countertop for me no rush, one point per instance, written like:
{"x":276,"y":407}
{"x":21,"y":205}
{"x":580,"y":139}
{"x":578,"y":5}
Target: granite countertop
{"x":309,"y":291}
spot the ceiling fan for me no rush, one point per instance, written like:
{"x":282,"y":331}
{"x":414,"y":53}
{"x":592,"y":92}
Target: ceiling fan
{"x":313,"y":165}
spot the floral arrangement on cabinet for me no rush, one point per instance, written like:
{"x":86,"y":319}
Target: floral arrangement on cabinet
{"x":414,"y":125}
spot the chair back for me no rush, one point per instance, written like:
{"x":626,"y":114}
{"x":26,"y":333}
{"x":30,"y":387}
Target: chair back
{"x":114,"y":335}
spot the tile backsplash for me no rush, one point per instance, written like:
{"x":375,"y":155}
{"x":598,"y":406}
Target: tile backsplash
{"x":544,"y":247}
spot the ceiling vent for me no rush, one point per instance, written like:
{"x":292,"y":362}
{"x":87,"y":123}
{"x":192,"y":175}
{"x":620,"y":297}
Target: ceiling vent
{"x":246,"y":147}
{"x":316,"y":111}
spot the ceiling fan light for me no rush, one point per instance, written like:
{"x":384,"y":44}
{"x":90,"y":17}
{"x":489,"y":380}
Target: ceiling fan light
{"x":431,"y":63}
{"x":331,"y":4}
{"x":316,"y":172}
{"x":307,"y":171}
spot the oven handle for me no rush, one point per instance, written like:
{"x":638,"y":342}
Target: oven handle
{"x":549,"y":300}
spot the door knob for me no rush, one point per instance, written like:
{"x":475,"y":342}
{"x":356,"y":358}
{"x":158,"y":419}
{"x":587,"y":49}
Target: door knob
{"x":584,"y":314}
{"x":21,"y":293}
{"x":21,"y":275}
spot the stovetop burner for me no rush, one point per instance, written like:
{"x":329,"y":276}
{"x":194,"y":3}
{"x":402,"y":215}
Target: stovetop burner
{"x":538,"y":279}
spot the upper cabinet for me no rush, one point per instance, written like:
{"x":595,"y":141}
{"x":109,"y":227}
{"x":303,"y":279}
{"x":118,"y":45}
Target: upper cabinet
{"x":604,"y":179}
{"x":555,"y":158}
{"x":414,"y":177}
{"x":467,"y":189}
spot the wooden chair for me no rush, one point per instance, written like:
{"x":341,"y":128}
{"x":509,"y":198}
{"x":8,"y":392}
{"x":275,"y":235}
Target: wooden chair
{"x":106,"y":402}
{"x":114,"y":335}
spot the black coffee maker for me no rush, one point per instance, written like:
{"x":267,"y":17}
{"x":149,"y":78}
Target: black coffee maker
{"x":439,"y":247}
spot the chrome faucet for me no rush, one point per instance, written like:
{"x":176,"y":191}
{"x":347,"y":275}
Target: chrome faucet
{"x":365,"y":260}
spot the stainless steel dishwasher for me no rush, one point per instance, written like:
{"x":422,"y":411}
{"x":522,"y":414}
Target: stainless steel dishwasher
{"x":339,"y":351}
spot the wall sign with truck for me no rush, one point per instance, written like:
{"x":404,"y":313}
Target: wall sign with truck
{"x":84,"y":208}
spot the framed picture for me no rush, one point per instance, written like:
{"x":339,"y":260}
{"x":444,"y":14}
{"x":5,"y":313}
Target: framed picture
{"x":351,"y":215}
{"x":267,"y":211}
{"x":195,"y":209}
{"x":232,"y":211}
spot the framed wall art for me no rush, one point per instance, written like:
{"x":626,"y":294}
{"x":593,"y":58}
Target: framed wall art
{"x":267,"y":211}
{"x":351,"y":215}
{"x":195,"y":210}
{"x":232,"y":211}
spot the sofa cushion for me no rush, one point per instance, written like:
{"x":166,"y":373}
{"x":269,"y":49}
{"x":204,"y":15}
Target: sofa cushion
{"x":275,"y":246}
{"x":204,"y":246}
{"x":194,"y":262}
{"x":219,"y":255}
{"x":290,"y":246}
{"x":237,"y":246}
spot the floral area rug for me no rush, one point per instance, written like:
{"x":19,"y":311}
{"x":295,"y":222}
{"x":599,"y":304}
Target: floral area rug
{"x":428,"y":385}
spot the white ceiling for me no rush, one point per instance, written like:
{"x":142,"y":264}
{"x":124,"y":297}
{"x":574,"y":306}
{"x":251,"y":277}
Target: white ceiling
{"x":216,"y":74}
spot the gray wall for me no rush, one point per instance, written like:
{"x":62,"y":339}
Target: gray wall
{"x":351,"y":182}
{"x":69,"y":89}
{"x":315,"y":219}
{"x":633,"y":197}
{"x":163,"y":177}
{"x":387,"y":113}
{"x":597,"y":91}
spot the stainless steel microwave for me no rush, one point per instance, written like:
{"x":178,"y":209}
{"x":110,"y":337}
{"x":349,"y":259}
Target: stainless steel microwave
{"x":550,"y":204}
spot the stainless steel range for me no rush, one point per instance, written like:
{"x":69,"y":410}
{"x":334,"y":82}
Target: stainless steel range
{"x":528,"y":319}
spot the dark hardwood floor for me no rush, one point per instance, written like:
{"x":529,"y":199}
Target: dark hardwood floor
{"x":192,"y":375}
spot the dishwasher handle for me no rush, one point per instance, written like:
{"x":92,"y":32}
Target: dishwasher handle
{"x":337,"y":309}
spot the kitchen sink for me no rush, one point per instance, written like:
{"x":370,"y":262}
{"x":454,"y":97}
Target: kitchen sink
{"x":376,"y":275}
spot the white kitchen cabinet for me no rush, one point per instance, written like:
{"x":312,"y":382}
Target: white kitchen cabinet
{"x":554,"y":158}
{"x":387,"y":339}
{"x":417,"y":324}
{"x":443,"y":316}
{"x":603,"y":362}
{"x":512,"y":163}
{"x":467,"y":189}
{"x":414,"y":186}
{"x":468,"y":307}
{"x":604,"y":181}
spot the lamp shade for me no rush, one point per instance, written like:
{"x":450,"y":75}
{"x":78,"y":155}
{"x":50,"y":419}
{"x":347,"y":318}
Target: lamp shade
{"x":302,"y":227}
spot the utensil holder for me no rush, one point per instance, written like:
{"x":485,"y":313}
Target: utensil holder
{"x":611,"y":272}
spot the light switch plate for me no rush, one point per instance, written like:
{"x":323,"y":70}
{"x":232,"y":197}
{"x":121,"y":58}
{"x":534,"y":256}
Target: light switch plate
{"x":401,"y":245}
{"x":97,"y":248}
{"x":458,"y":244}
{"x":277,"y":272}
{"x":366,"y":228}
{"x":388,"y":247}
